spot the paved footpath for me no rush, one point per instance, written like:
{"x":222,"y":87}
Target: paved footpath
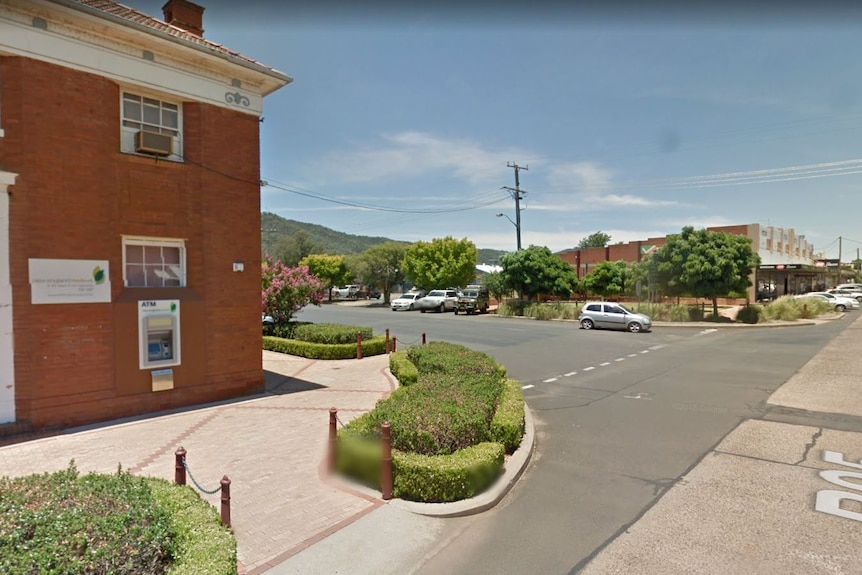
{"x":271,"y":446}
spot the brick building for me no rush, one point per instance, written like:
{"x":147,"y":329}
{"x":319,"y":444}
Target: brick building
{"x":129,"y":212}
{"x":788,"y":262}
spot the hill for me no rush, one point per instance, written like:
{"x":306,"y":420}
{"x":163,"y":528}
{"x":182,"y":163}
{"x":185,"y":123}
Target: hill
{"x":274,"y":229}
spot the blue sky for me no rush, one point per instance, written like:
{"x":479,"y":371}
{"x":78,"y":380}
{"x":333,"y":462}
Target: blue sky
{"x":632,"y":121}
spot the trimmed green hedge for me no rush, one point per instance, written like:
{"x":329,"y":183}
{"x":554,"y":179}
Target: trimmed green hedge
{"x":331,"y":333}
{"x":507,"y":427}
{"x":441,"y":479}
{"x":402,"y":368}
{"x":373,"y":346}
{"x":451,"y":425}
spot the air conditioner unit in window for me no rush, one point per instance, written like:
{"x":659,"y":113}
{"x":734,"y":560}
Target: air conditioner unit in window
{"x":153,"y":143}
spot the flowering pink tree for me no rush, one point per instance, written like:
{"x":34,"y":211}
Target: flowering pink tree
{"x":285,"y":291}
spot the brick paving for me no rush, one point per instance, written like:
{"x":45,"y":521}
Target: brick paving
{"x":273,"y":448}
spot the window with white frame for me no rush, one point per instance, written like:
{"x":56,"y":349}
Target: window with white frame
{"x":145,"y":114}
{"x":154,"y":262}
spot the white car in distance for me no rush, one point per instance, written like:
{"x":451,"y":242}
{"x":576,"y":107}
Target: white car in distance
{"x":838,"y":303}
{"x":439,"y":300}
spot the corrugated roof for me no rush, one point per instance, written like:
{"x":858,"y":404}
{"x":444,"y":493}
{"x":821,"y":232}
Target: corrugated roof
{"x":137,"y":17}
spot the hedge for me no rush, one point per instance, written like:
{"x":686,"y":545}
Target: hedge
{"x":402,"y":368}
{"x":441,"y":479}
{"x":374,"y":346}
{"x":507,"y":427}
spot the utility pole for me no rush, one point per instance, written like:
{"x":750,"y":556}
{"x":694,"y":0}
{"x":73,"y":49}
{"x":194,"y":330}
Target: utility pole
{"x":516,"y":193}
{"x":839,"y":282}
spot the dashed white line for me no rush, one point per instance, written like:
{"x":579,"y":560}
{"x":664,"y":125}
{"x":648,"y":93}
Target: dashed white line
{"x":633,"y":355}
{"x":604,"y":364}
{"x":549,"y":380}
{"x":527,"y":386}
{"x":645,"y":351}
{"x":655,"y":347}
{"x":620,"y":359}
{"x":570,"y":374}
{"x":589,"y":368}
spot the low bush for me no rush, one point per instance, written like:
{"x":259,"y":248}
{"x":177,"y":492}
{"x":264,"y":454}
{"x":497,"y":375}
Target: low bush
{"x":442,"y":479}
{"x":750,"y":314}
{"x":789,"y":308}
{"x":373,"y":346}
{"x":507,"y":426}
{"x":331,"y":333}
{"x":284,"y":330}
{"x":402,"y":368}
{"x":98,"y":524}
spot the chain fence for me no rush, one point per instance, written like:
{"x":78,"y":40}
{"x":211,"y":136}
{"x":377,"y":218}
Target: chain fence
{"x":198,"y":485}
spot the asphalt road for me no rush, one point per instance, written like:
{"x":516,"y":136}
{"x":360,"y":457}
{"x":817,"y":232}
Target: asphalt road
{"x":619,"y":418}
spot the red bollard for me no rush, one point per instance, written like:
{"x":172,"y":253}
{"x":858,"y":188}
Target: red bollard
{"x":393,"y":343}
{"x":225,"y":501}
{"x":387,"y":340}
{"x":386,"y":469}
{"x":358,"y":345}
{"x":423,"y":338}
{"x":179,"y":466}
{"x":333,"y":437}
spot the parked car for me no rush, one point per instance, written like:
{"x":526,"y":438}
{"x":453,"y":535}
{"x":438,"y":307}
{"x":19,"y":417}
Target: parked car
{"x":838,"y":303}
{"x":610,"y":315}
{"x":346,"y":292}
{"x":407,"y":301}
{"x":439,"y":300}
{"x":852,"y":287}
{"x":473,"y":299}
{"x":372,"y":293}
{"x":855,"y":294}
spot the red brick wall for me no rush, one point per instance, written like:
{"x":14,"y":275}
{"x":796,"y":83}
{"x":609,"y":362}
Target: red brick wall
{"x":74,"y":198}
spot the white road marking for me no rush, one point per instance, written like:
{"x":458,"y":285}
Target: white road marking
{"x":527,"y":386}
{"x":639,"y":395}
{"x":604,"y":364}
{"x":655,"y":347}
{"x":645,"y":351}
{"x":620,"y":359}
{"x":710,"y":330}
{"x":549,"y":380}
{"x":570,"y":374}
{"x":589,"y":368}
{"x":633,"y":355}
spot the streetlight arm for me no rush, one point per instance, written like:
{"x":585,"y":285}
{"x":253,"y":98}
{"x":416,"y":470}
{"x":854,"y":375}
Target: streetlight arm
{"x":508,"y":218}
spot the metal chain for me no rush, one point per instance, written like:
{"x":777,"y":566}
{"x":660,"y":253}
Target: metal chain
{"x":198,"y":485}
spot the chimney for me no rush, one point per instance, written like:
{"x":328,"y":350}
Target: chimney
{"x":186,"y":15}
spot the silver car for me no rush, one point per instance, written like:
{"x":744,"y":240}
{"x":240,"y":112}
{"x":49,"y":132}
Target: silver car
{"x":407,"y":301}
{"x":610,"y":315}
{"x":439,"y":300}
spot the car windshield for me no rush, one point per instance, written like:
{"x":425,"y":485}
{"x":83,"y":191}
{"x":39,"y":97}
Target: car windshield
{"x":436,"y":293}
{"x":470,"y":293}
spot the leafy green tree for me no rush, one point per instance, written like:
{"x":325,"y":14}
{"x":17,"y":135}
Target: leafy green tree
{"x":291,"y":249}
{"x":441,"y":262}
{"x":537,"y":271}
{"x":383,"y":267}
{"x":596,"y":240}
{"x":286,"y":290}
{"x":706,"y":264}
{"x":329,"y":268}
{"x":496,"y":285}
{"x":607,"y":279}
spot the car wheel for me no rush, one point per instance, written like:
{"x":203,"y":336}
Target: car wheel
{"x":634,"y":327}
{"x":587,"y":324}
{"x":411,"y":308}
{"x":422,"y":310}
{"x":442,"y":308}
{"x":840,"y":307}
{"x":455,"y":311}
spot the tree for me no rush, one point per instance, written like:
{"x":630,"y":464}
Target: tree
{"x":706,"y":264}
{"x":496,"y":285}
{"x":329,"y":268}
{"x":286,"y":290}
{"x":596,"y":240}
{"x":441,"y":263}
{"x":607,"y":278}
{"x":537,"y":271}
{"x":383,"y":267}
{"x":292,"y":249}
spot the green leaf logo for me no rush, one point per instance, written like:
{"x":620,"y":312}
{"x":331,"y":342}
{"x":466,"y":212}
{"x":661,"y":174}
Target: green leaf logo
{"x":98,"y":275}
{"x":173,"y":307}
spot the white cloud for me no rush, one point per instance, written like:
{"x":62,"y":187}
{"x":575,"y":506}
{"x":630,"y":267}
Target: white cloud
{"x":579,"y":177}
{"x":408,"y":155}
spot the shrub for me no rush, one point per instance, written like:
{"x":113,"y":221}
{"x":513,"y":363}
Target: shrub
{"x":402,"y":368}
{"x":373,"y":346}
{"x":507,"y":426}
{"x":749,"y":314}
{"x":789,"y":308}
{"x":331,"y":333}
{"x":65,"y":523}
{"x":512,"y":307}
{"x":284,"y":330}
{"x":441,"y":479}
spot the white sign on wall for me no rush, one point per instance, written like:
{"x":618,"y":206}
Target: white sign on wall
{"x":69,"y":281}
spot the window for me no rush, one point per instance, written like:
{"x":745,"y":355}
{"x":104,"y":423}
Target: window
{"x":154,"y":262}
{"x":142,"y":113}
